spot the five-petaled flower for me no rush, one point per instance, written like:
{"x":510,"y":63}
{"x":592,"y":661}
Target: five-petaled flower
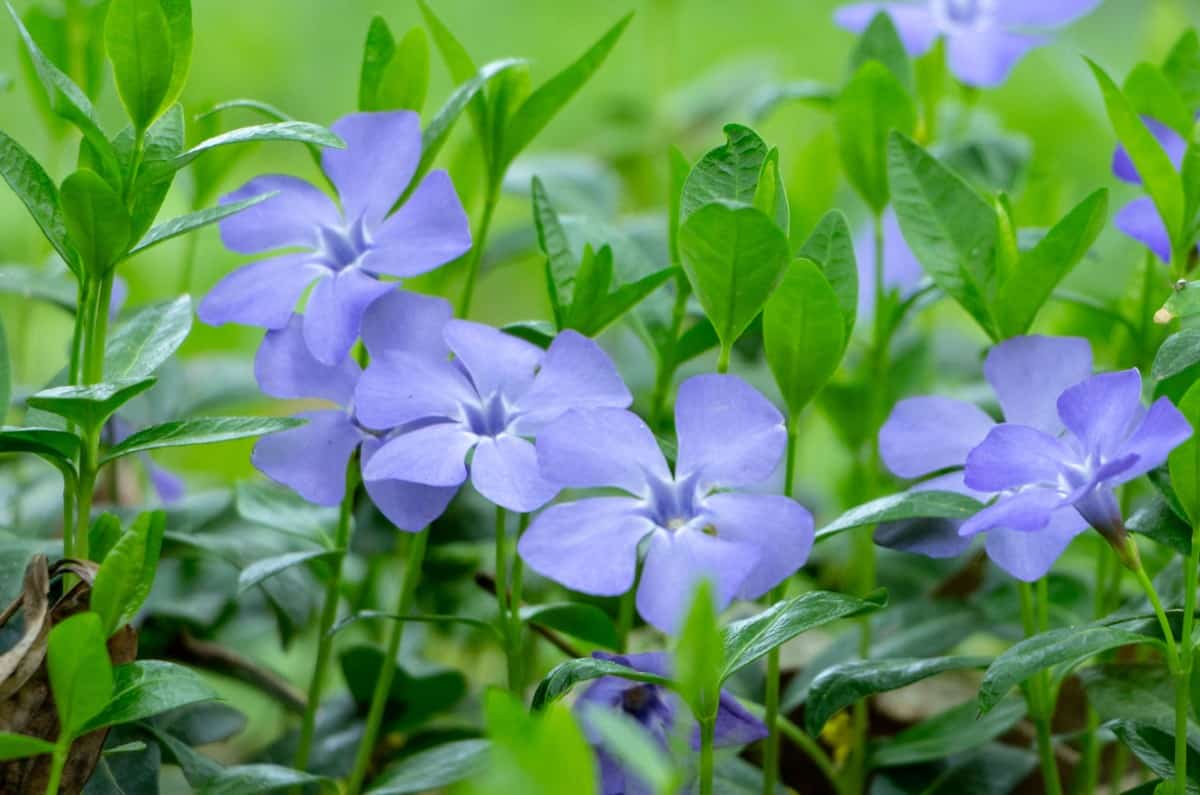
{"x":1139,"y":218}
{"x":312,"y":459}
{"x":659,"y":711}
{"x":730,"y":436}
{"x":485,"y":402}
{"x":344,"y":251}
{"x":984,"y":38}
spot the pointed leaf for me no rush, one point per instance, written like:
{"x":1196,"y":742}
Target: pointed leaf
{"x":150,"y":687}
{"x":1182,"y":67}
{"x":295,"y":131}
{"x":124,"y":579}
{"x":951,"y":732}
{"x":97,"y":222}
{"x":905,"y":505}
{"x":565,"y":676}
{"x":871,"y":106}
{"x":137,"y":38}
{"x":38,"y":193}
{"x":201,"y":430}
{"x":770,"y":194}
{"x":727,"y":173}
{"x":803,"y":334}
{"x":432,"y":768}
{"x":259,"y":778}
{"x":462,"y":69}
{"x":881,"y":42}
{"x":179,"y":24}
{"x":47,"y":442}
{"x":699,"y":654}
{"x":260,"y":570}
{"x":831,"y":245}
{"x":611,"y":307}
{"x":19,"y":746}
{"x":145,"y":341}
{"x":81,"y":675}
{"x":195,"y":220}
{"x":89,"y":406}
{"x":1177,"y":353}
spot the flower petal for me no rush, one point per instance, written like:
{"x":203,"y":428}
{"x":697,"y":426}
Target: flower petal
{"x":263,"y":293}
{"x":675,"y":565}
{"x":335,"y":309}
{"x":286,"y":368}
{"x":1162,"y":430}
{"x":933,"y":538}
{"x":311,"y":459}
{"x":1024,"y":511}
{"x":925,"y":434}
{"x":914,"y":23}
{"x":290,"y":218}
{"x":589,"y":545}
{"x":1042,"y":13}
{"x":983,"y":58}
{"x":401,"y":388}
{"x":1029,"y":373}
{"x":409,"y":506}
{"x":505,"y":471}
{"x":1172,"y":143}
{"x":429,"y":230}
{"x":901,"y":270}
{"x":601,"y":448}
{"x":780,"y":527}
{"x":1140,"y":220}
{"x":496,"y":362}
{"x":1015,"y":455}
{"x":1101,"y":410}
{"x":408,"y":322}
{"x":729,"y":434}
{"x":576,"y":373}
{"x":435,"y":455}
{"x":380,"y":158}
{"x":1029,"y":556}
{"x":735,"y":725}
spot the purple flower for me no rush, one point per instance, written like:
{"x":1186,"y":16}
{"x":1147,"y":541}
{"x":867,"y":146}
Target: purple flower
{"x":312,"y":459}
{"x":496,"y":392}
{"x":984,"y":38}
{"x":657,"y":710}
{"x":344,"y":251}
{"x":694,"y":527}
{"x":925,"y":435}
{"x":901,"y":270}
{"x":1110,"y":439}
{"x":1139,"y":218}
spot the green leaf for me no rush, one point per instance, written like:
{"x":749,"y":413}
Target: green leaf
{"x":1182,"y":67}
{"x":549,"y":98}
{"x":103,"y":535}
{"x":543,"y":753}
{"x":393,"y":77}
{"x":433,"y":768}
{"x":47,"y":442}
{"x":295,"y":131}
{"x":561,"y":266}
{"x":259,"y":778}
{"x":201,"y":430}
{"x":1156,"y":520}
{"x":870,"y":107}
{"x":195,"y":220}
{"x":632,"y":745}
{"x":145,"y":341}
{"x":842,"y":685}
{"x":591,"y":320}
{"x":124,"y":579}
{"x":951,"y":732}
{"x":179,"y":23}
{"x":89,"y":406}
{"x":905,"y":505}
{"x":5,"y":374}
{"x":138,"y":40}
{"x":462,"y":69}
{"x":951,"y":229}
{"x":282,"y":509}
{"x":733,"y":257}
{"x":413,"y":699}
{"x":81,"y":675}
{"x":38,"y":193}
{"x":881,"y":43}
{"x":29,"y":282}
{"x":19,"y":746}
{"x":699,"y":654}
{"x":1177,"y":353}
{"x":164,"y":142}
{"x":1184,"y":460}
{"x":565,"y":676}
{"x":577,"y":619}
{"x":1068,"y":645}
{"x":378,"y":52}
{"x":727,"y":173}
{"x":803,"y":334}
{"x":770,"y":195}
{"x":98,"y":224}
{"x":1151,"y":94}
{"x":1041,"y":268}
{"x":751,"y":638}
{"x":1138,"y":692}
{"x":1156,"y":750}
{"x":831,"y":245}
{"x":1149,"y":158}
{"x":260,"y":570}
{"x":150,"y":687}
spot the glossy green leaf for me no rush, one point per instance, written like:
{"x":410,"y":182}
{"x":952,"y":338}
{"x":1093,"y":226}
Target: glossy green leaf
{"x":699,"y":654}
{"x":81,"y":675}
{"x":89,"y":406}
{"x":432,"y":768}
{"x":1177,"y":353}
{"x":1139,"y":692}
{"x":260,"y":778}
{"x":33,"y":186}
{"x":146,"y":688}
{"x":565,"y":676}
{"x":950,"y":228}
{"x":550,"y":97}
{"x":1069,"y":646}
{"x":145,"y":341}
{"x":733,"y":257}
{"x":561,"y":265}
{"x":124,"y":579}
{"x":905,"y":505}
{"x":201,"y":430}
{"x":881,"y":42}
{"x":577,"y":619}
{"x":179,"y":24}
{"x":19,"y":746}
{"x":831,"y":246}
{"x":1156,"y":750}
{"x":727,"y":173}
{"x":871,"y":106}
{"x":1158,"y":521}
{"x":1182,"y":67}
{"x":195,"y":220}
{"x":260,"y":570}
{"x":770,"y":194}
{"x":98,"y":224}
{"x":295,"y":131}
{"x":951,"y":732}
{"x":164,"y":142}
{"x":138,"y":40}
{"x":839,"y":687}
{"x":1041,"y":268}
{"x":47,"y":442}
{"x":1184,"y":460}
{"x":751,"y":638}
{"x":803,"y":334}
{"x":103,"y":534}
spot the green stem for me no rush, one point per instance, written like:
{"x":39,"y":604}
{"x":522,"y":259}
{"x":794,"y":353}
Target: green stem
{"x":476,"y":254}
{"x":1088,"y":776}
{"x":383,"y":685}
{"x":707,"y":728}
{"x":1139,"y":573}
{"x":667,"y":364}
{"x":504,"y":601}
{"x":329,"y":611}
{"x":625,"y":616}
{"x":516,"y":669}
{"x":723,"y":358}
{"x":813,"y":749}
{"x":58,"y":760}
{"x":189,"y":264}
{"x":1038,"y":697}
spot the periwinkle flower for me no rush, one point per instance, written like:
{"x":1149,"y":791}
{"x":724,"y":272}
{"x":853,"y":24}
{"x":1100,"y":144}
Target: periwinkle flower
{"x":901,"y":270}
{"x":1110,"y":439}
{"x":984,"y":38}
{"x":933,"y":434}
{"x":482,"y":404}
{"x":312,"y":458}
{"x":343,"y":251}
{"x":659,"y":711}
{"x":693,"y":525}
{"x":1139,"y":218}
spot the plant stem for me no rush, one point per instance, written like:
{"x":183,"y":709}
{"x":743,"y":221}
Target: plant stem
{"x":329,"y":611}
{"x":723,"y":358}
{"x":516,"y":679}
{"x":667,"y":363}
{"x":813,"y":749}
{"x":625,"y":616}
{"x":476,"y":253}
{"x":504,"y":599}
{"x":383,"y":685}
{"x":1037,"y":695}
{"x":58,"y":760}
{"x":707,"y":729}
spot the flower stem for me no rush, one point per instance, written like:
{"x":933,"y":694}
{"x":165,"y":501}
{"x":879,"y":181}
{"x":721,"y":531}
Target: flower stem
{"x":58,"y":760}
{"x":329,"y":611}
{"x":516,"y":672}
{"x":504,"y":600}
{"x":476,"y":254}
{"x":383,"y":685}
{"x":723,"y":358}
{"x":707,"y":729}
{"x":1038,"y":697}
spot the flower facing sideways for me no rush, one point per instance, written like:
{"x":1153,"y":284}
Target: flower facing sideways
{"x":658,"y":710}
{"x":339,"y":253}
{"x":1139,"y":218}
{"x":693,"y":526}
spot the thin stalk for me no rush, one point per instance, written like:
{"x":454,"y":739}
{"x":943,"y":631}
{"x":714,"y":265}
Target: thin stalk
{"x":1038,"y":698}
{"x":1164,"y":623}
{"x":723,"y":358}
{"x":1088,"y":777}
{"x":813,"y":749}
{"x":329,"y":611}
{"x":504,"y":597}
{"x":625,"y":617}
{"x":478,"y":243}
{"x":58,"y":760}
{"x":516,"y":670}
{"x":383,"y":685}
{"x":707,"y":729}
{"x":189,"y":264}
{"x":667,"y":363}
